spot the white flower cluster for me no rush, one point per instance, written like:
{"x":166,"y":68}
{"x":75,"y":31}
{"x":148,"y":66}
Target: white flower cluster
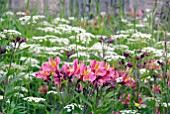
{"x":141,"y":35}
{"x":99,"y":47}
{"x":23,"y":89}
{"x":37,"y":17}
{"x":21,"y":13}
{"x":11,"y":32}
{"x":18,"y":95}
{"x":33,"y":62}
{"x":136,"y":41}
{"x":121,"y":47}
{"x":60,"y":20}
{"x":114,"y":58}
{"x":42,"y":50}
{"x":96,"y":46}
{"x":99,"y":36}
{"x":15,"y":66}
{"x":72,"y":106}
{"x":27,"y":75}
{"x":84,"y":38}
{"x":54,"y":92}
{"x":157,"y":52}
{"x":166,"y":104}
{"x":8,"y":13}
{"x":64,"y":28}
{"x":124,"y":20}
{"x":25,"y":19}
{"x":45,"y":23}
{"x":80,"y":54}
{"x":35,"y":99}
{"x":129,"y":31}
{"x":120,"y":36}
{"x":29,"y":19}
{"x":141,"y":25}
{"x":143,"y":71}
{"x":129,"y":112}
{"x":75,"y":47}
{"x":49,"y":29}
{"x":52,"y":39}
{"x":71,"y":18}
{"x":77,"y":30}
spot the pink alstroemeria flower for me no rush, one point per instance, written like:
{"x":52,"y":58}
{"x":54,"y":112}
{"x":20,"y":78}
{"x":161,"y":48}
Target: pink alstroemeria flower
{"x":98,"y":68}
{"x":43,"y":74}
{"x":67,"y":70}
{"x":71,"y":70}
{"x":76,"y":67}
{"x":52,"y":65}
{"x":169,"y":83}
{"x":87,"y":74}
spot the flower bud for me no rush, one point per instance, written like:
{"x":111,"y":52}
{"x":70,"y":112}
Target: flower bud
{"x":129,"y":64}
{"x":137,"y":58}
{"x":18,"y":39}
{"x":126,"y":55}
{"x":138,"y":65}
{"x":110,"y":41}
{"x":23,"y":40}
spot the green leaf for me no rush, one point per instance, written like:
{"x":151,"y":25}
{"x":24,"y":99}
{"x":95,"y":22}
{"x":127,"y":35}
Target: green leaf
{"x":110,"y":94}
{"x":22,"y":50}
{"x":11,"y":111}
{"x":85,"y":101}
{"x":2,"y":78}
{"x":10,"y":93}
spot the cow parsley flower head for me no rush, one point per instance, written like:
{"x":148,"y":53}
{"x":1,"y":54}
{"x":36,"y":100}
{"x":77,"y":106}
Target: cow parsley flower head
{"x":12,"y":32}
{"x":35,"y":99}
{"x":72,"y":106}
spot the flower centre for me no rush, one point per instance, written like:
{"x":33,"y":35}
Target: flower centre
{"x":96,"y":67}
{"x":86,"y":72}
{"x":45,"y":73}
{"x":53,"y":64}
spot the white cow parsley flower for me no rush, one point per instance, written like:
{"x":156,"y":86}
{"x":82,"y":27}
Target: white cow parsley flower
{"x":35,"y":99}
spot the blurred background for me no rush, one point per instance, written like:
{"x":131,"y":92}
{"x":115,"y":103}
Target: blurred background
{"x":79,"y":8}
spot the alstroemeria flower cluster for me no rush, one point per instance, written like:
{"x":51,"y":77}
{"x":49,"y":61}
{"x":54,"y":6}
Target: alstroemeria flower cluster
{"x":98,"y":73}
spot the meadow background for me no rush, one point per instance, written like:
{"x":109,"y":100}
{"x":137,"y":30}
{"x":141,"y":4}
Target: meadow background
{"x":84,"y":56}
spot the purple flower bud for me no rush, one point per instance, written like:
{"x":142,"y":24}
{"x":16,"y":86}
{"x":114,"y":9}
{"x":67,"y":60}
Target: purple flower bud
{"x":139,"y":51}
{"x":129,"y":64}
{"x":126,"y":55}
{"x":18,"y":39}
{"x":142,"y":56}
{"x":137,"y":58}
{"x":23,"y":40}
{"x":101,"y":38}
{"x":110,"y":41}
{"x":138,"y":65}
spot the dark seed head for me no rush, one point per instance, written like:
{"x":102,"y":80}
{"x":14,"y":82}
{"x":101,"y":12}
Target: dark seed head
{"x":18,"y":39}
{"x":129,"y":64}
{"x":126,"y":55}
